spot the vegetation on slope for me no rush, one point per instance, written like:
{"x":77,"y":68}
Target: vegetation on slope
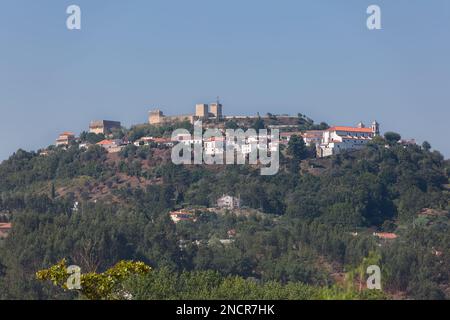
{"x":313,"y":224}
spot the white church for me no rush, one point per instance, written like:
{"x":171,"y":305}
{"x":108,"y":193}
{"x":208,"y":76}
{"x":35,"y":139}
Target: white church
{"x":337,"y":139}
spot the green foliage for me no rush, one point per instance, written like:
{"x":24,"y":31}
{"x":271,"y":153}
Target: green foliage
{"x":426,"y":146}
{"x":96,"y":286}
{"x":258,"y":124}
{"x":297,"y":148}
{"x":91,"y":138}
{"x":305,"y":123}
{"x":209,"y":285}
{"x":146,"y":130}
{"x":231,"y":124}
{"x":392,"y":137}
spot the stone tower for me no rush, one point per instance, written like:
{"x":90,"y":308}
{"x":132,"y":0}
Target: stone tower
{"x":376,"y":128}
{"x":201,"y":111}
{"x":216,"y":109}
{"x":155,"y":117}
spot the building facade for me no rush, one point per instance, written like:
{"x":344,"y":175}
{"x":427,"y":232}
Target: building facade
{"x":201,"y":111}
{"x":65,"y":139}
{"x":313,"y":137}
{"x":182,"y":215}
{"x":228,"y":202}
{"x":157,"y":117}
{"x":340,"y":138}
{"x":103,"y":126}
{"x":111,"y":146}
{"x":216,"y":110}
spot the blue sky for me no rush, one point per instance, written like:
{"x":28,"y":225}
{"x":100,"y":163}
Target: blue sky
{"x":315,"y":57}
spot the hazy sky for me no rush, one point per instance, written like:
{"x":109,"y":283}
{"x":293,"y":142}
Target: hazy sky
{"x":316,"y":57}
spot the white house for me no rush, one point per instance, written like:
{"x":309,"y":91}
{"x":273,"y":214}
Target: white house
{"x":182,"y":215}
{"x":313,"y":137}
{"x":229,"y":202}
{"x":214,"y":145}
{"x":144,"y":141}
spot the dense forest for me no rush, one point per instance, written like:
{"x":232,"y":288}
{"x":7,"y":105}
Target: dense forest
{"x":299,"y":234}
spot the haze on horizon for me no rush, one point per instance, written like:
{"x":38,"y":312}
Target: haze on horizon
{"x":316,"y":57}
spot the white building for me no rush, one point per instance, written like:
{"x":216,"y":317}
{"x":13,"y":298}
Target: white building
{"x":182,"y":215}
{"x":229,"y":202}
{"x":339,"y":138}
{"x":274,"y":146}
{"x":65,"y":139}
{"x":214,"y":145}
{"x":313,"y":137}
{"x":144,"y":141}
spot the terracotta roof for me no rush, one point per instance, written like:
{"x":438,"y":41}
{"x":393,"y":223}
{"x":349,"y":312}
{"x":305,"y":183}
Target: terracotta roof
{"x":5,"y":225}
{"x":385,"y":235}
{"x":311,"y":134}
{"x":162,"y":140}
{"x":104,"y":142}
{"x":351,"y":129}
{"x":290,"y":134}
{"x":183,"y":137}
{"x":213,"y":139}
{"x":67,"y":133}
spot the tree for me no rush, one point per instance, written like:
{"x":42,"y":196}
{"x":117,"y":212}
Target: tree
{"x":259,"y":124}
{"x":389,"y":226}
{"x":378,"y":140}
{"x":91,"y":138}
{"x":96,"y":286}
{"x":231,"y":124}
{"x":392,"y":137}
{"x":298,"y":151}
{"x":297,"y":148}
{"x":426,"y":146}
{"x":53,"y":192}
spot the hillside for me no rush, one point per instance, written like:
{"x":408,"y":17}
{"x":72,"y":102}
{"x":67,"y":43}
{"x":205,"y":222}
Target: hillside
{"x":310,"y":224}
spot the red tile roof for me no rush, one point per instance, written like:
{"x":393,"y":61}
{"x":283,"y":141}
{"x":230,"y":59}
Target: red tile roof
{"x":351,"y":129}
{"x":162,"y":140}
{"x":105,"y":142}
{"x":312,"y":134}
{"x":385,"y":235}
{"x":214,"y":139}
{"x":290,"y":134}
{"x":5,"y":226}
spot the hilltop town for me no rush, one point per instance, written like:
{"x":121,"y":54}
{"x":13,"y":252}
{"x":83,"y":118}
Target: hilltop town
{"x":326,"y":140}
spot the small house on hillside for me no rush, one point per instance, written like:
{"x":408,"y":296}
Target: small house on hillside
{"x":65,"y":139}
{"x":386,"y":236}
{"x":111,"y":146}
{"x":229,"y":202}
{"x":182,"y":215}
{"x":5,"y":229}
